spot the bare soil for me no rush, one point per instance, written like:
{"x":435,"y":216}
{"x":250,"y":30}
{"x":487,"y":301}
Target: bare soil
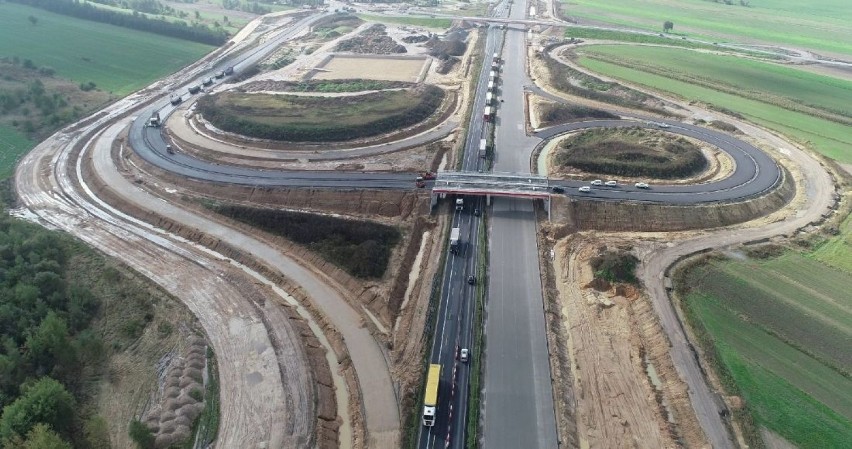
{"x":390,"y":68}
{"x":613,"y":337}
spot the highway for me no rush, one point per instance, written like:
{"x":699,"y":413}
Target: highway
{"x":518,"y":403}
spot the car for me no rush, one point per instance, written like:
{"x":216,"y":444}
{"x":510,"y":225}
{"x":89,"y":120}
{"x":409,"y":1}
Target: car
{"x":585,"y":189}
{"x":463,"y":355}
{"x":642,"y":185}
{"x":611,"y":183}
{"x":471,"y":280}
{"x":558,"y":189}
{"x":476,"y":213}
{"x":663,"y":125}
{"x":169,"y":149}
{"x":596,"y":182}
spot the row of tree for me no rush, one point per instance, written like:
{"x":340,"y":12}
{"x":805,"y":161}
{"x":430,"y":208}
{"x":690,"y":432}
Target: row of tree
{"x":178,"y":29}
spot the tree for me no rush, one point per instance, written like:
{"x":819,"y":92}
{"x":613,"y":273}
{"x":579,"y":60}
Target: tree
{"x":668,"y":26}
{"x":33,"y":20}
{"x":46,"y":401}
{"x":141,"y":434}
{"x":42,"y":437}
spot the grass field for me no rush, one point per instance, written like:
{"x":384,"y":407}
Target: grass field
{"x":117,"y":60}
{"x":426,"y":22}
{"x":829,"y":138}
{"x":837,"y":251}
{"x":781,"y":329}
{"x":12,"y":146}
{"x":822,"y":26}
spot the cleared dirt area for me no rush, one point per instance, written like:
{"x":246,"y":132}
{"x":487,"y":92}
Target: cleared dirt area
{"x":627,"y":391}
{"x":390,"y":68}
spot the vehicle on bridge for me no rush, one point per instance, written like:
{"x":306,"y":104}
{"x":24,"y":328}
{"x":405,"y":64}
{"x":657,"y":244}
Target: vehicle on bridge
{"x":489,"y":98}
{"x":419,"y":182}
{"x":430,"y":400}
{"x":455,"y":234}
{"x":427,"y":175}
{"x":558,"y":189}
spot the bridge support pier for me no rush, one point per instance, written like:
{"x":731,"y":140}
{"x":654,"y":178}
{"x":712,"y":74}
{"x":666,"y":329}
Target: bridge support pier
{"x":487,"y":200}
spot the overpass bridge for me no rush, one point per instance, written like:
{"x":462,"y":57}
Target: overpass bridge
{"x":516,"y":185}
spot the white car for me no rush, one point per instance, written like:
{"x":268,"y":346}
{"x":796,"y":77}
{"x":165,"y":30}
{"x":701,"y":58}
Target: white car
{"x":642,"y":185}
{"x":596,"y":182}
{"x":663,"y":125}
{"x":463,"y":355}
{"x":611,"y":183}
{"x":585,"y":189}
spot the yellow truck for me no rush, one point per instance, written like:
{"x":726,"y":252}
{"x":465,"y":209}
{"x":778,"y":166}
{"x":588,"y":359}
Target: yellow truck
{"x":430,"y":401}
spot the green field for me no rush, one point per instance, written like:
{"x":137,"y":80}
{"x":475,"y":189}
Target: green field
{"x":117,"y":60}
{"x":426,"y":22}
{"x":837,"y":251}
{"x":781,"y":330}
{"x":822,"y":26}
{"x":828,"y":137}
{"x":12,"y":146}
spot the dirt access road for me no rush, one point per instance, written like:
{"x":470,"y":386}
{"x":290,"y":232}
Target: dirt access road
{"x":253,"y":383}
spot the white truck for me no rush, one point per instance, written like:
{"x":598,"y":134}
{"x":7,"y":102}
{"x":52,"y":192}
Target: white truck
{"x":454,"y":240}
{"x":489,"y":98}
{"x":483,"y":146}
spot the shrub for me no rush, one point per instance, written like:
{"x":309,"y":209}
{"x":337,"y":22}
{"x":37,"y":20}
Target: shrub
{"x":615,"y":266}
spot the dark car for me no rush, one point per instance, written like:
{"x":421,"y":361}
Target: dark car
{"x":471,"y":280}
{"x":558,"y":189}
{"x":476,"y":212}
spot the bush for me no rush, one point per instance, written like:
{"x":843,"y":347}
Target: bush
{"x":615,"y":266}
{"x":141,"y":435}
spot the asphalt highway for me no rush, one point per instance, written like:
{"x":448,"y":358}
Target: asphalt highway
{"x":518,"y":407}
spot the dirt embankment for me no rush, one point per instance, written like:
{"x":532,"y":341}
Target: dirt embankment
{"x":616,"y":383}
{"x":611,"y":216}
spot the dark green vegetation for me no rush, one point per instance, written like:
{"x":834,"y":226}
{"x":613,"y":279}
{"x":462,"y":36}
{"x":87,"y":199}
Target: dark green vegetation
{"x":777,"y":331}
{"x":574,"y":82}
{"x":615,"y":266}
{"x":51,"y":351}
{"x":635,"y":152}
{"x":361,"y":248}
{"x":556,"y":113}
{"x":13,"y":145}
{"x":179,"y":29}
{"x":320,"y":119}
{"x":808,"y":107}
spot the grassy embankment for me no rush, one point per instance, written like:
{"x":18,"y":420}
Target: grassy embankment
{"x":13,"y":145}
{"x":822,"y":26}
{"x":778,"y":332}
{"x":317,"y":119}
{"x":805,"y":106}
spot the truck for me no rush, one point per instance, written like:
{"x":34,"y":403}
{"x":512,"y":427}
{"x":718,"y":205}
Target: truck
{"x":455,"y":233}
{"x":483,"y":146}
{"x":497,"y":58}
{"x":154,"y":121}
{"x":194,"y":89}
{"x":430,"y":400}
{"x":427,"y":175}
{"x":491,"y":86}
{"x":459,"y":204}
{"x":489,"y":97}
{"x":229,"y":71}
{"x":487,"y":114}
{"x":207,"y":81}
{"x":492,"y":75}
{"x":419,"y":182}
